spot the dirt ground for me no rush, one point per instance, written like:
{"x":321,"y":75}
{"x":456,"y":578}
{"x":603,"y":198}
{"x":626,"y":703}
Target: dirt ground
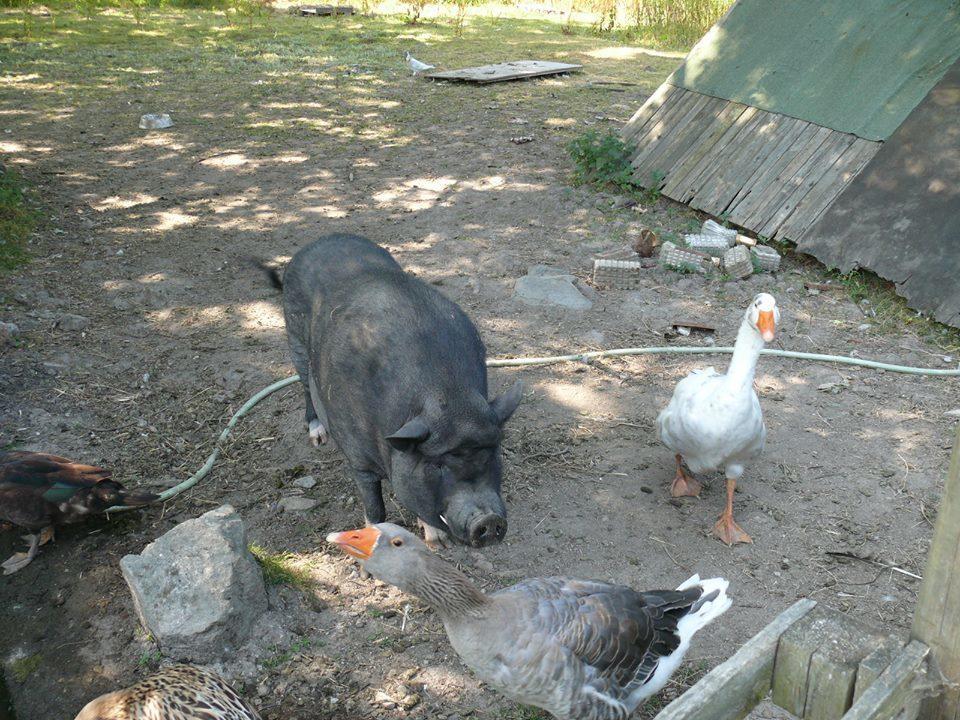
{"x":146,"y":237}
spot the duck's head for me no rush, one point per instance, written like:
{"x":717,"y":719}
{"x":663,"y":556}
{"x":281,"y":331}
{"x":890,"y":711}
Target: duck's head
{"x":763,"y":315}
{"x":387,"y":551}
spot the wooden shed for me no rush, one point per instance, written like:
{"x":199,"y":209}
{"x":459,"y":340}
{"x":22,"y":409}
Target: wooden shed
{"x":834,"y":125}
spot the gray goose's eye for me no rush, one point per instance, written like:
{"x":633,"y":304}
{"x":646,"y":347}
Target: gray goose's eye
{"x":397,"y":542}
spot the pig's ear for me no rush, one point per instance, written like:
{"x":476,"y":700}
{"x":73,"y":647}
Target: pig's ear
{"x":411,"y":434}
{"x":504,"y":405}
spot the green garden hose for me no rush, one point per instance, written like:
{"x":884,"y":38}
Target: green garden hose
{"x":550,"y":360}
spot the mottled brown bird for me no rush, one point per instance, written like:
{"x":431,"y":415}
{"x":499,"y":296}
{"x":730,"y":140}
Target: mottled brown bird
{"x":39,"y":491}
{"x":580,"y":649}
{"x":646,"y":243}
{"x":179,"y":692}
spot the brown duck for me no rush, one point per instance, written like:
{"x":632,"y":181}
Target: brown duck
{"x":39,"y":491}
{"x":582,"y":650}
{"x":179,"y":692}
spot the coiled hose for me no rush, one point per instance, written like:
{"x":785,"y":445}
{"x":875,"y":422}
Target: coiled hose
{"x":550,"y":360}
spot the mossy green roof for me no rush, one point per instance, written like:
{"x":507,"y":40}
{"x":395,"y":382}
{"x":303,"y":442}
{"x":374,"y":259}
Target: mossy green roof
{"x":857,"y":66}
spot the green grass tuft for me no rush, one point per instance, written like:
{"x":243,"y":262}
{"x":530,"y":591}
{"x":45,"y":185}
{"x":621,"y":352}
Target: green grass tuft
{"x":602,"y":160}
{"x":281,"y":568}
{"x":17,"y":220}
{"x":25,"y":667}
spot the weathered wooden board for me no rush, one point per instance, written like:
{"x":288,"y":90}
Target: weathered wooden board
{"x":770,"y":173}
{"x":818,"y":661}
{"x":316,"y":10}
{"x":501,"y":72}
{"x":936,"y":620}
{"x":893,"y":695}
{"x":829,"y":187}
{"x":900,"y":216}
{"x":732,"y":689}
{"x":873,"y":665}
{"x":635,"y":126}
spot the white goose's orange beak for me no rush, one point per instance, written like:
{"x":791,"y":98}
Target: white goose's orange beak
{"x":767,"y":325}
{"x":356,"y":543}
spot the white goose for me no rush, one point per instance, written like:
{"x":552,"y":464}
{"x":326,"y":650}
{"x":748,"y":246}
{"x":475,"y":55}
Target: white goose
{"x":417,"y":66}
{"x":714,"y":422}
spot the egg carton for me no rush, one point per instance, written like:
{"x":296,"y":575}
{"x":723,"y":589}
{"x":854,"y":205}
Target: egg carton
{"x":711,"y":228}
{"x":738,"y":262}
{"x":767,"y":257}
{"x":712,"y":245}
{"x":674,"y":256}
{"x":617,"y":273}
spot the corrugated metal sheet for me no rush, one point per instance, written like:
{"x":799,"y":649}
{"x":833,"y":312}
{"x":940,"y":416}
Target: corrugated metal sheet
{"x":856,"y":66}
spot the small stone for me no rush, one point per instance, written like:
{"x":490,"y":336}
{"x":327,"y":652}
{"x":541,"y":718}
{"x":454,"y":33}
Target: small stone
{"x":481,"y":562}
{"x":381,"y":698}
{"x":953,"y":413}
{"x":410,"y":701}
{"x":551,"y":290}
{"x":594,"y":337}
{"x":120,"y":251}
{"x":197,"y":589}
{"x":8,"y":331}
{"x":297,"y":504}
{"x":73,"y":322}
{"x":155,"y":121}
{"x":306,"y":482}
{"x":864,"y":327}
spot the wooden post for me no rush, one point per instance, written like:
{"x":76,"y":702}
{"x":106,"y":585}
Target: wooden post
{"x":936,"y":621}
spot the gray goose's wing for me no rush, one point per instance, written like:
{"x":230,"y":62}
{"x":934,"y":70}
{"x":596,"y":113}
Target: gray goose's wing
{"x":619,"y":635}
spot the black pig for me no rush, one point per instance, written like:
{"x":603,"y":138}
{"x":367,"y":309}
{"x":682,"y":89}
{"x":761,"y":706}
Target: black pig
{"x":395,"y":372}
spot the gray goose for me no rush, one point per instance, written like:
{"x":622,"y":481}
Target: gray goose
{"x":582,"y":650}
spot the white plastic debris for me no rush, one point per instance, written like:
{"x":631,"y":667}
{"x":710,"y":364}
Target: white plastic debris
{"x":768,"y":258}
{"x":617,"y":273}
{"x":737,"y":262}
{"x":713,"y":245}
{"x":678,"y":258}
{"x":155,"y":121}
{"x":714,"y":229}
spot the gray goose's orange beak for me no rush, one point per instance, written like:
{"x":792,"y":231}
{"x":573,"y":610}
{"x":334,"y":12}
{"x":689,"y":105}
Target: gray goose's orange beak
{"x":356,"y":543}
{"x":767,"y":325}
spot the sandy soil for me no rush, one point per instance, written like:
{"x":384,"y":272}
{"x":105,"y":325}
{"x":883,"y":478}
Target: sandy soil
{"x":148,"y":241}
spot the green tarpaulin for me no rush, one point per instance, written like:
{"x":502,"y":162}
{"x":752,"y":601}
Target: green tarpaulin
{"x":857,"y":66}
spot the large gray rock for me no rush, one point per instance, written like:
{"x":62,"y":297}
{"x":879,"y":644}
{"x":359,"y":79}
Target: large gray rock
{"x":540,"y":287}
{"x":198,"y":589}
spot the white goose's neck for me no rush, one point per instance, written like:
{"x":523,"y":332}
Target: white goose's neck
{"x":746,"y":352}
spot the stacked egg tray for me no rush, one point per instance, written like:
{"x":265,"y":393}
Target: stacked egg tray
{"x":674,"y":256}
{"x":767,"y":257}
{"x":738,"y":262}
{"x":617,"y":273}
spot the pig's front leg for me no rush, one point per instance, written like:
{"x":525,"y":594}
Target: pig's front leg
{"x":435,"y":538}
{"x":371,"y":495}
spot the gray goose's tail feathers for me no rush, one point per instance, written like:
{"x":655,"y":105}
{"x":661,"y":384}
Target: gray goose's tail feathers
{"x":678,"y":615}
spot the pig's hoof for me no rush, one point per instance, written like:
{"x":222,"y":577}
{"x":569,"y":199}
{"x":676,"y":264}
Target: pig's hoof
{"x":435,"y":538}
{"x":318,"y":433}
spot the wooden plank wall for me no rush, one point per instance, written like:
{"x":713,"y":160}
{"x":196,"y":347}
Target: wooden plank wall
{"x":772,"y":174}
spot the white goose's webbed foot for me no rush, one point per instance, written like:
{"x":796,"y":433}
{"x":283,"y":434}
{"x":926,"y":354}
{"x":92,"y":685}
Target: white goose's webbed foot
{"x":435,"y":538}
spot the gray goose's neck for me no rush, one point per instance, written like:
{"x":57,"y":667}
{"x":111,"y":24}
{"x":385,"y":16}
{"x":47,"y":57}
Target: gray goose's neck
{"x":447,"y":590}
{"x":746,"y":352}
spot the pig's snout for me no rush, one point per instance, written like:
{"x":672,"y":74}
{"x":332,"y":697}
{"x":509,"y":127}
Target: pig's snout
{"x":487,"y":529}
